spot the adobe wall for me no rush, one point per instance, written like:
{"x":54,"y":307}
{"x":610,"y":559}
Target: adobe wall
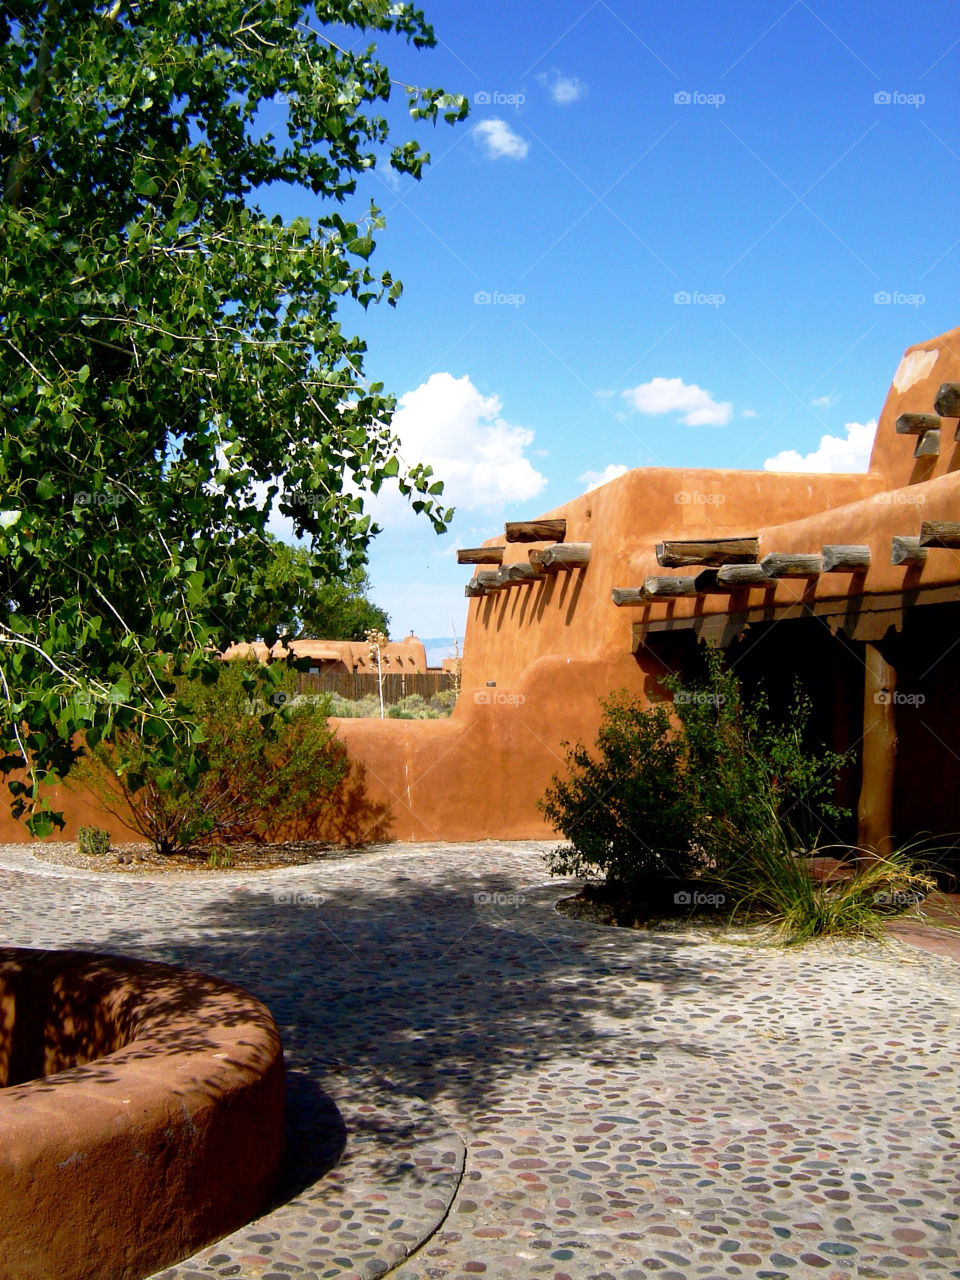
{"x":538,"y":657}
{"x":141,"y":1114}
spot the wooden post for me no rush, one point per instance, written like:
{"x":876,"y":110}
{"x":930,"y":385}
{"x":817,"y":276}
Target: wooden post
{"x":875,"y":808}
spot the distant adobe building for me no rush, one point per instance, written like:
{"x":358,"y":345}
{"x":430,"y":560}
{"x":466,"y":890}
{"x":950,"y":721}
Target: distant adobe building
{"x":340,"y":657}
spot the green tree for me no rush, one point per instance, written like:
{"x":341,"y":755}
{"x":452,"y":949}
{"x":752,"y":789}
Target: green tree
{"x":169,"y":353}
{"x":299,"y":600}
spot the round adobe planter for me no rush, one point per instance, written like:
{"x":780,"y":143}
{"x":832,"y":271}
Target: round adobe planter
{"x":141,"y":1114}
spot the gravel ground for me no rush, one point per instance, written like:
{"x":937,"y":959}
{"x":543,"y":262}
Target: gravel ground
{"x":629,"y":1103}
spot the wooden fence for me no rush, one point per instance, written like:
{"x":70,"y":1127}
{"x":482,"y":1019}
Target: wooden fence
{"x":356,"y":685}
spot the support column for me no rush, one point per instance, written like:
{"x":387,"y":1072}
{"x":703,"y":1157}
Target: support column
{"x":875,"y":809}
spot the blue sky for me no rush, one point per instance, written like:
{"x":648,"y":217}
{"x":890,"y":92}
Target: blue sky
{"x":785,"y":166}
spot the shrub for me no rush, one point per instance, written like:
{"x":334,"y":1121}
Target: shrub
{"x":260,"y":764}
{"x":93,"y":840}
{"x":623,"y":808}
{"x":752,"y":781}
{"x":723,"y":791}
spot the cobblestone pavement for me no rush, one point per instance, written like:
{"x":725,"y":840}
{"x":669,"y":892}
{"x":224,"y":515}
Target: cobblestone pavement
{"x":631,"y":1104}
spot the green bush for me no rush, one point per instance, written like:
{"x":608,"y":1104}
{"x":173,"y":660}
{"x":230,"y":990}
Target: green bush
{"x":623,"y":807}
{"x":261,"y":763}
{"x":726,"y":792}
{"x":93,"y":840}
{"x":412,"y":707}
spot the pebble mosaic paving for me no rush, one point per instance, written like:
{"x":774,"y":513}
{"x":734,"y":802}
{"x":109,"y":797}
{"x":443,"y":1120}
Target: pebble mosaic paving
{"x":504,"y":1092}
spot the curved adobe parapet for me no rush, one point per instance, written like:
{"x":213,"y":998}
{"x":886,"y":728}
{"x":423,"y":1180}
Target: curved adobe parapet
{"x":141,"y":1114}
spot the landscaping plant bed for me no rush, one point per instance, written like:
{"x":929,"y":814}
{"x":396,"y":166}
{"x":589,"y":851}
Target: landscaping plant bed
{"x":142,"y":857}
{"x":650,"y":905}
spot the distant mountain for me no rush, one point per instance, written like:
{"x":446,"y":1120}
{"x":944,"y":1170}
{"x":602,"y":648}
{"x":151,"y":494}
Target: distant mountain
{"x":438,"y":648}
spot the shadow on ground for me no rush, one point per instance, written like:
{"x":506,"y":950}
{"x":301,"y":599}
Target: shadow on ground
{"x":443,"y":988}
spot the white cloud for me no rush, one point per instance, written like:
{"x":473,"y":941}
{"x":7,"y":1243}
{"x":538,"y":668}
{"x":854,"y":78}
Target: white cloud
{"x":749,"y":413}
{"x":481,"y":458}
{"x":835,"y":453}
{"x":672,"y":395}
{"x":562,"y":89}
{"x":499,"y":141}
{"x":824,"y":402}
{"x":594,"y":479}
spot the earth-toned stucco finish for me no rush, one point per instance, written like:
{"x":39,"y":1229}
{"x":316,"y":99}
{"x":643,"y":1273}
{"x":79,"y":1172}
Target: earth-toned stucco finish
{"x":142,"y":1114}
{"x":538,"y":656}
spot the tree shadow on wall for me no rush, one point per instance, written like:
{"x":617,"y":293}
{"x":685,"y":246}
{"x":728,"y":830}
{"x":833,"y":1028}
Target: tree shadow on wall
{"x":349,"y":817}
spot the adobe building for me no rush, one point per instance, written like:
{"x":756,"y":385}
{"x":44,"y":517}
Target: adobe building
{"x":340,"y":657}
{"x":851,"y":583}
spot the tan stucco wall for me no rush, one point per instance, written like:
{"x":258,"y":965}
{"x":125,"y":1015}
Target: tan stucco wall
{"x":554,"y":647}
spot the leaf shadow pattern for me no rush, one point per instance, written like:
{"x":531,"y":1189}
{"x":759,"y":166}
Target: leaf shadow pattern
{"x":445,"y":988}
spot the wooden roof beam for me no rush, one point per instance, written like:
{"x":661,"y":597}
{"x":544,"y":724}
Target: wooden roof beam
{"x":669,"y":588}
{"x":939,"y":533}
{"x":570,"y":555}
{"x":947,"y":403}
{"x":679,"y":553}
{"x":480,"y":555}
{"x":791,"y":564}
{"x":907,"y":550}
{"x":535,"y":530}
{"x":845,"y":558}
{"x":744,"y":575}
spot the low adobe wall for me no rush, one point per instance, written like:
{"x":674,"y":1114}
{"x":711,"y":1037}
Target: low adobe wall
{"x":141,"y":1114}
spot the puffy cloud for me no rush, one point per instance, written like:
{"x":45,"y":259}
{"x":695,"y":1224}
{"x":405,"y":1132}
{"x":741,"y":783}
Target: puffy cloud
{"x":594,"y":479}
{"x":672,"y":395}
{"x":479,"y":456}
{"x":835,"y":453}
{"x":499,"y":141}
{"x":562,"y":89}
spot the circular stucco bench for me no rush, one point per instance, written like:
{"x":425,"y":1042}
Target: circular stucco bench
{"x":141,"y":1114}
